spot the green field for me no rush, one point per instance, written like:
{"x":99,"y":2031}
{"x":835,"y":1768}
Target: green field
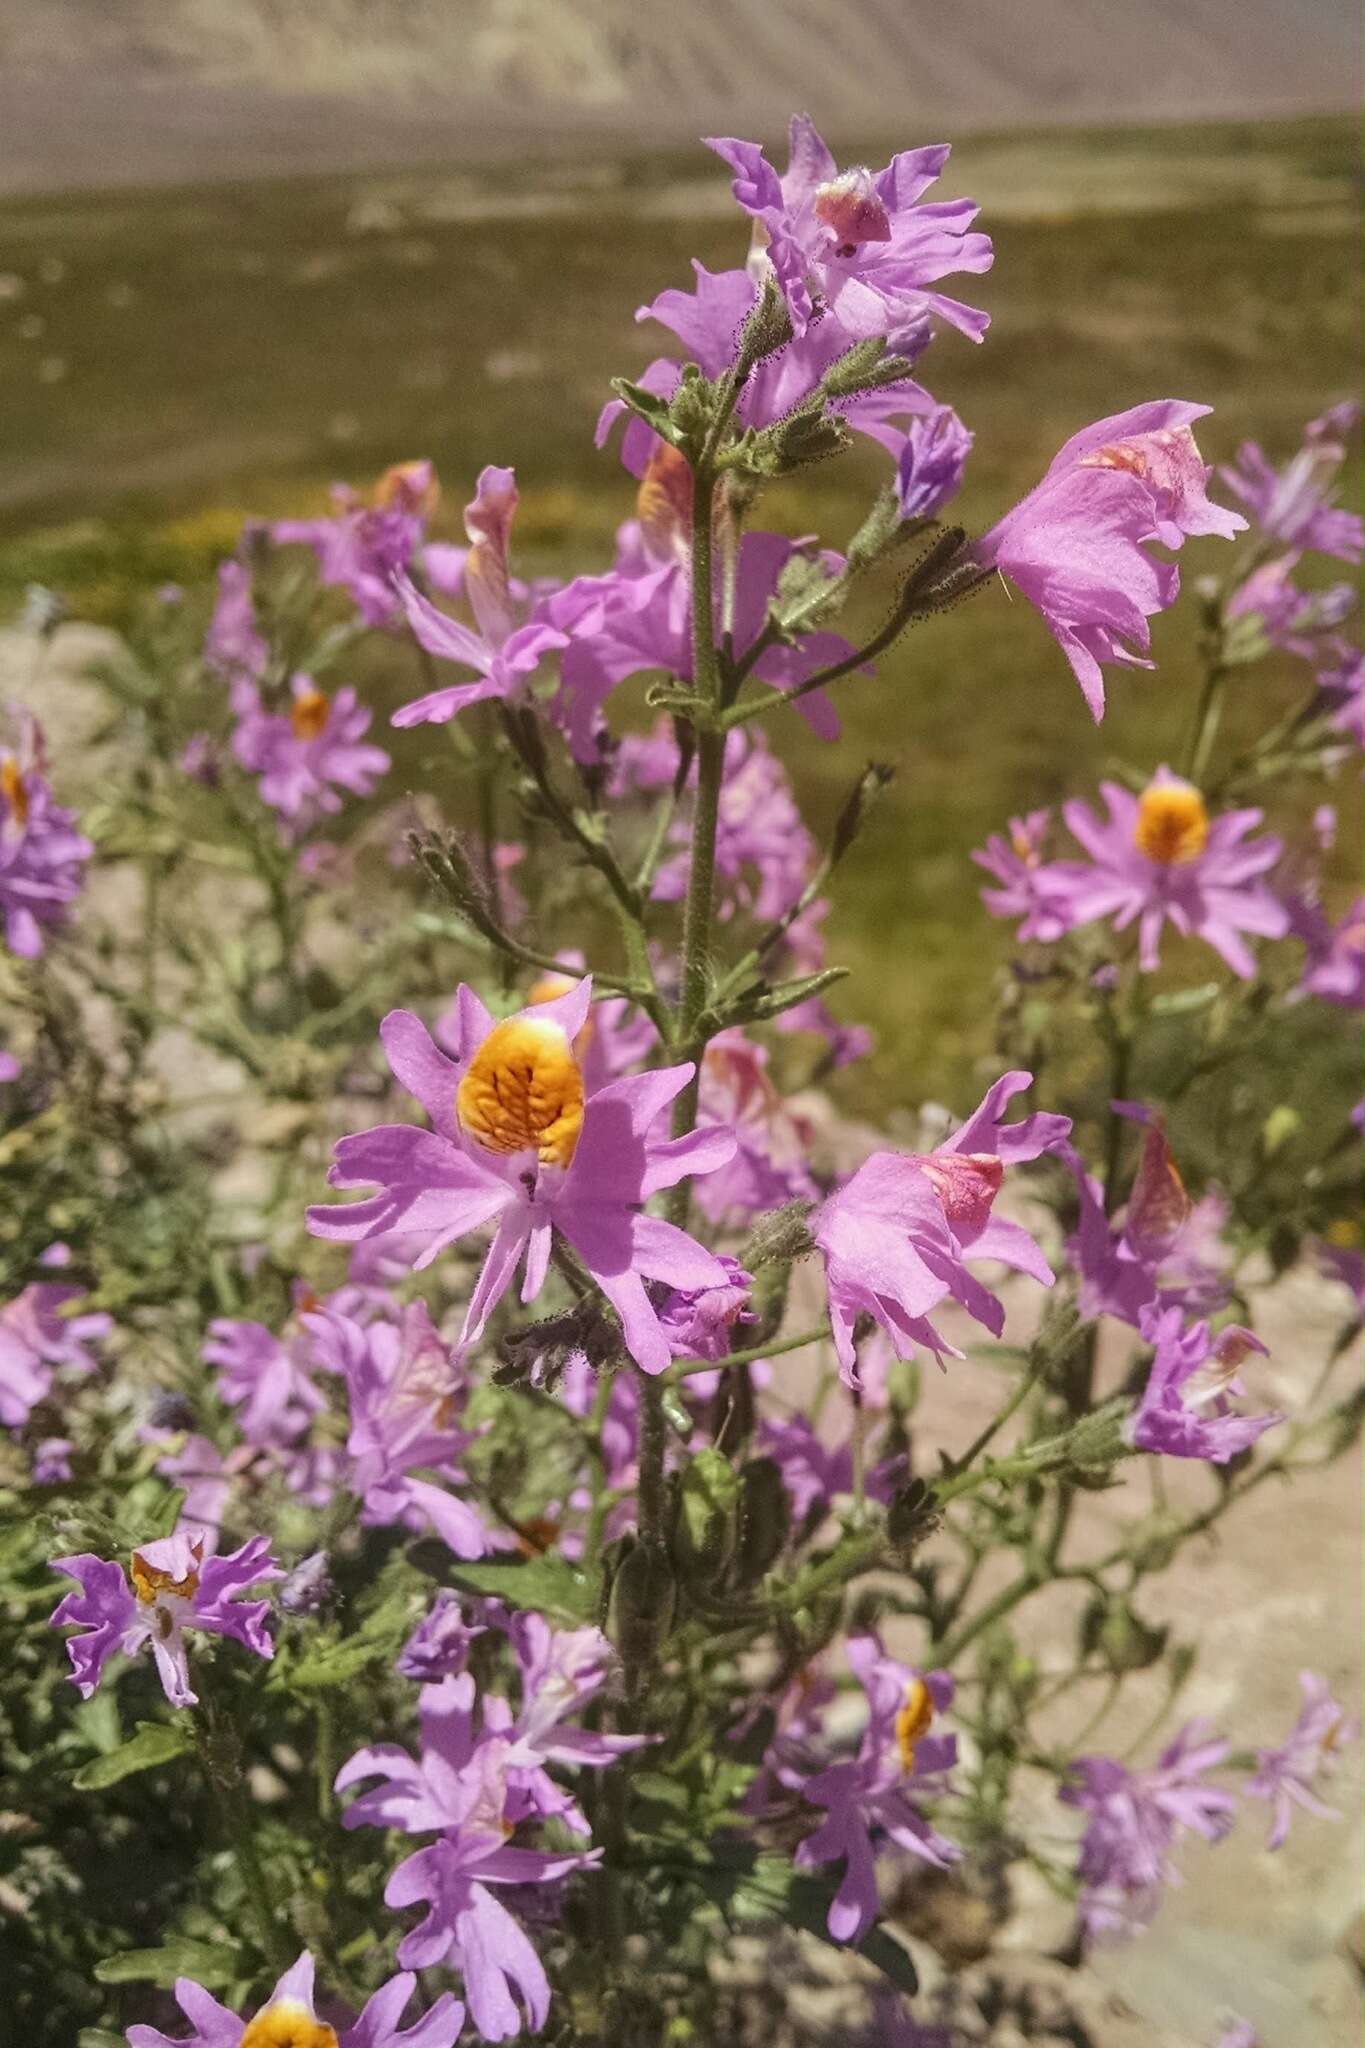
{"x":175,"y":360}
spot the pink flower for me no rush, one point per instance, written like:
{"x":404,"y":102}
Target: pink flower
{"x":1019,"y":867}
{"x":289,"y":2016}
{"x":895,"y":1237}
{"x":515,"y":1139}
{"x":1076,"y":546}
{"x":1293,"y":504}
{"x":504,"y":651}
{"x":1186,"y":1409}
{"x":37,"y":1341}
{"x":174,"y":1586}
{"x":1159,"y":858}
{"x":41,"y":853}
{"x":857,"y":240}
{"x":1312,"y":1749}
{"x":305,"y":755}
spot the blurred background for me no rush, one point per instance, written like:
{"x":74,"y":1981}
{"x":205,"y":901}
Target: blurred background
{"x":248,"y":247}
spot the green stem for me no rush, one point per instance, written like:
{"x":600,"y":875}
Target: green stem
{"x":220,"y":1754}
{"x":1027,"y":1382}
{"x":1208,"y":712}
{"x":685,"y":1367}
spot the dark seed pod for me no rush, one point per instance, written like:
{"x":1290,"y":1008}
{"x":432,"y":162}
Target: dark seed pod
{"x":640,"y":1606}
{"x":764,"y":1520}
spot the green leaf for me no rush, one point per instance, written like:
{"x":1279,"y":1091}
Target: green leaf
{"x":376,"y":1641}
{"x":100,"y":2037}
{"x":808,"y":1902}
{"x":1179,"y":1002}
{"x":211,"y":1964}
{"x":648,"y":405}
{"x":546,"y":1583}
{"x":155,"y":1742}
{"x":767,"y":1888}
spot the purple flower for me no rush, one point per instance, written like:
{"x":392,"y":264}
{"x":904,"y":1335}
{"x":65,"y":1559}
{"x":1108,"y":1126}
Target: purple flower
{"x":1186,"y":1409}
{"x":1019,"y":867}
{"x":1285,"y":1776}
{"x":37,"y":1341}
{"x":895,"y":1236}
{"x":461,"y":1789}
{"x":1163,"y":1251}
{"x":1293,"y":504}
{"x":305,"y":755}
{"x":1302,"y":622}
{"x":1076,"y":545}
{"x":699,"y":1322}
{"x":1342,"y":695}
{"x":504,"y":651}
{"x":289,"y":2019}
{"x":515,"y":1139}
{"x":758,"y":827}
{"x":930,"y":463}
{"x":363,"y":548}
{"x":857,"y":240}
{"x":813,"y":1471}
{"x":270,"y":1380}
{"x":1133,"y":1820}
{"x":52,"y":1461}
{"x":1159,"y":858}
{"x":406,"y":1395}
{"x":174,"y":1586}
{"x":1334,"y":970}
{"x":872,"y":1794}
{"x":41,"y":854}
{"x":439,"y":1645}
{"x":1346,"y":1263}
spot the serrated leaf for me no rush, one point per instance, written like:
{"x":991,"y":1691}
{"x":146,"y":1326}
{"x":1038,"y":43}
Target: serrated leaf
{"x":155,"y":1742}
{"x":649,"y":406}
{"x":211,"y":1964}
{"x":546,"y":1584}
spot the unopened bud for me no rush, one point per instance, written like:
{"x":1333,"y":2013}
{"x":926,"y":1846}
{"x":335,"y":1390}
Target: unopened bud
{"x":309,"y":1587}
{"x":911,"y":1518}
{"x":640,"y":1604}
{"x":778,"y":1238}
{"x":764,"y":1519}
{"x":703,"y":1530}
{"x":767,"y":329}
{"x":1112,"y":1630}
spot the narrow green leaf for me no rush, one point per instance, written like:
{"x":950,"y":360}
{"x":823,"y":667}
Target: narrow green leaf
{"x":211,"y":1964}
{"x":155,"y":1742}
{"x":547,"y":1583}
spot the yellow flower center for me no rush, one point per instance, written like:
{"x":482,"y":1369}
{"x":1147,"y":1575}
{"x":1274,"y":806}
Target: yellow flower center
{"x":1344,"y":1233}
{"x":13,"y":790}
{"x":288,"y":2025}
{"x":1172,"y":824}
{"x":913,"y":1720}
{"x":148,"y":1580}
{"x":308,"y":714}
{"x":523,"y":1092}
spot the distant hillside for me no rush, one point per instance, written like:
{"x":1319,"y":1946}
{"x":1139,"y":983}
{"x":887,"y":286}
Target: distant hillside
{"x":104,"y":91}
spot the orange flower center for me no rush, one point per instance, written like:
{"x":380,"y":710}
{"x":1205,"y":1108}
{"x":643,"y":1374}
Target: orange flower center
{"x":308,"y":714}
{"x":524,"y":1092}
{"x":913,"y":1720}
{"x":1172,"y":823}
{"x":288,"y":2025}
{"x":13,"y":790}
{"x":663,"y":503}
{"x":412,"y":485}
{"x":149,"y":1581}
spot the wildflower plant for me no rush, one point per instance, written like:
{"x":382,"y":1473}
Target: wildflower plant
{"x":498,"y":1393}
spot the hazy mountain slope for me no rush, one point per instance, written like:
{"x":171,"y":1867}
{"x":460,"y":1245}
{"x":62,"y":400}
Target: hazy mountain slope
{"x":133,"y":88}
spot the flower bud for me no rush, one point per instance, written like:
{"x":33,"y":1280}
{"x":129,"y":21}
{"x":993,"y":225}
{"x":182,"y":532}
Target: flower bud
{"x":308,"y":1588}
{"x":764,"y":1520}
{"x":911,"y":1518}
{"x":705,"y":1495}
{"x":1110,"y":1628}
{"x":640,"y":1604}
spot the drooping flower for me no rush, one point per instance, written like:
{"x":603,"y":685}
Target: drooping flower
{"x":37,"y":1342}
{"x":857,"y":241}
{"x":1133,"y":1821}
{"x":896,"y":1235}
{"x":930,"y":463}
{"x":1186,"y":1408}
{"x":1294,"y":504}
{"x":289,"y":2018}
{"x":1161,"y":1250}
{"x":507,"y":646}
{"x":1312,"y":1749}
{"x":1076,"y":546}
{"x":514,"y":1138}
{"x":171,"y":1586}
{"x":872,"y":1795}
{"x":306,"y":755}
{"x":1302,"y":622}
{"x":461,"y":1790}
{"x":1159,"y":858}
{"x":41,"y":853}
{"x":700,"y":1322}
